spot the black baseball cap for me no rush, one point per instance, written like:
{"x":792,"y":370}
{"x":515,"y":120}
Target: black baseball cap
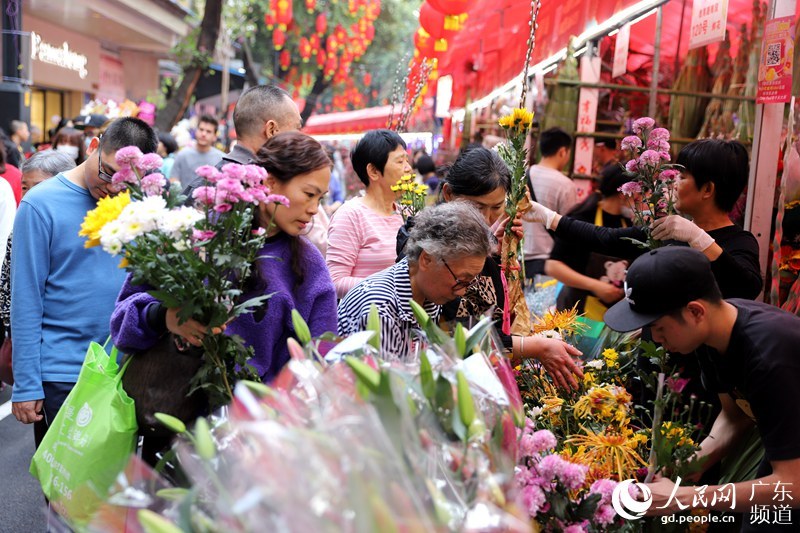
{"x":94,"y":120}
{"x":660,"y":282}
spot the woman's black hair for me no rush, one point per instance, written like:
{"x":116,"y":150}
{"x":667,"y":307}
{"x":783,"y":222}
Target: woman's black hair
{"x":285,"y":156}
{"x":476,"y":172}
{"x":723,"y":163}
{"x":374,"y":147}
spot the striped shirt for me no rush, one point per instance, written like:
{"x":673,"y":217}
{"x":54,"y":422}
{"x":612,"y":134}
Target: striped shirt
{"x":390,"y":291}
{"x":361,"y":242}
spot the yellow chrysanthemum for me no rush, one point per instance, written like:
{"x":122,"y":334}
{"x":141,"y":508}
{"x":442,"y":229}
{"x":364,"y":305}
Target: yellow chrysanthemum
{"x":406,"y":178}
{"x":565,"y":322}
{"x":588,"y":379}
{"x":605,"y":402}
{"x":395,"y":188}
{"x":676,"y":434}
{"x":610,"y":356}
{"x":610,"y":450}
{"x":107,"y":209}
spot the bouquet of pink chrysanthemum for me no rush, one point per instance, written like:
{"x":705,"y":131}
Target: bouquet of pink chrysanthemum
{"x":196,"y":259}
{"x":653,"y":179}
{"x":555,"y":491}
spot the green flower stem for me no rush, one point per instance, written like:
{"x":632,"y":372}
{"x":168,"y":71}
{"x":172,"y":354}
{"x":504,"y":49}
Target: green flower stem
{"x":652,"y":464}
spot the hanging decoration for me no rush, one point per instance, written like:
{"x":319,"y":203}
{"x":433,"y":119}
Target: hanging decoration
{"x":517,"y":316}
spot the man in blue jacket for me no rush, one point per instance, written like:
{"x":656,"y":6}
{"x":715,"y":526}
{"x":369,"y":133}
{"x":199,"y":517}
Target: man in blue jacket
{"x":62,"y":294}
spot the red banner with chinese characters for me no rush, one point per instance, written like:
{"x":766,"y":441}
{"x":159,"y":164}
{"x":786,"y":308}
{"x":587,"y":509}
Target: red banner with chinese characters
{"x":775,"y":68}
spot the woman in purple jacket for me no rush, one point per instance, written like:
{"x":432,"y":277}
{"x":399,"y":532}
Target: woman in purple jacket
{"x":292,"y":269}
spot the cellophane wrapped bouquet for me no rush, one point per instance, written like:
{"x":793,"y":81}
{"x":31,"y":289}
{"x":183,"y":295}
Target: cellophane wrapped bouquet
{"x":348,"y":442}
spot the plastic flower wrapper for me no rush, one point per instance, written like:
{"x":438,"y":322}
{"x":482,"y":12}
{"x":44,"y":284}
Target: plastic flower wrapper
{"x":196,"y":259}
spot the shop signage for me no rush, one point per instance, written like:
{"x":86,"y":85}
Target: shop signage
{"x":620,"y":66}
{"x":61,"y":56}
{"x":709,"y":18}
{"x":587,"y":120}
{"x":775,"y":67}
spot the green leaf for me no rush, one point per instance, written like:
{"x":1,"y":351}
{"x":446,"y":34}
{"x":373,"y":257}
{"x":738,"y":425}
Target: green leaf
{"x":426,"y":377}
{"x":164,"y":297}
{"x":476,"y":335}
{"x":173,"y":493}
{"x":155,"y":523}
{"x":466,"y":405}
{"x":461,"y":340}
{"x":420,"y":314}
{"x":204,"y":442}
{"x":374,"y":324}
{"x":259,"y":389}
{"x":171,"y":423}
{"x":366,"y":374}
{"x":300,"y":328}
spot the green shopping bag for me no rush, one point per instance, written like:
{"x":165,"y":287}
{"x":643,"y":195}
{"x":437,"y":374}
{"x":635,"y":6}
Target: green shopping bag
{"x":90,"y":440}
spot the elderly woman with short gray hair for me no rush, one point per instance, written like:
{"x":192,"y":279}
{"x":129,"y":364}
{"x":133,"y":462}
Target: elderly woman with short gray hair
{"x":445,"y":252}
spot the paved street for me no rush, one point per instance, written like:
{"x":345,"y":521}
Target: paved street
{"x":21,"y":503}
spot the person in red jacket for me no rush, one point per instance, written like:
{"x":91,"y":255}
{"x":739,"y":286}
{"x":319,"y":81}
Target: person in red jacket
{"x":11,"y":174}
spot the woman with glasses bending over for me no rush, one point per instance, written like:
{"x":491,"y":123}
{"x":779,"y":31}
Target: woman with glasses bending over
{"x":445,"y":252}
{"x":480,"y":177}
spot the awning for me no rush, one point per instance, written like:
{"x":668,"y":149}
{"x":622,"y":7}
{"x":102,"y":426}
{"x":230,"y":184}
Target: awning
{"x":350,"y":121}
{"x":490,"y":50}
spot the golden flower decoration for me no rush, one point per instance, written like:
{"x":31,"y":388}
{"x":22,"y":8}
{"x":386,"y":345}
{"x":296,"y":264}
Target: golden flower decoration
{"x":108,"y":209}
{"x":611,"y":450}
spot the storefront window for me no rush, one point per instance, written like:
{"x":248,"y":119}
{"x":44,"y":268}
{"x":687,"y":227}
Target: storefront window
{"x":45,"y":104}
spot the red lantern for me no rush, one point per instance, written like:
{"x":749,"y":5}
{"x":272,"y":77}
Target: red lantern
{"x":269,"y":21}
{"x":330,"y":65}
{"x":321,"y":58}
{"x":278,"y":38}
{"x":314,"y":42}
{"x":283,"y":12}
{"x":310,"y":5}
{"x":373,"y":9}
{"x":367,"y":79}
{"x":304,"y":48}
{"x":423,"y":42}
{"x":352,"y":7}
{"x":321,"y":24}
{"x":452,"y":7}
{"x":432,"y":21}
{"x":341,"y":34}
{"x":285,"y":59}
{"x":370,"y":33}
{"x":331,"y":44}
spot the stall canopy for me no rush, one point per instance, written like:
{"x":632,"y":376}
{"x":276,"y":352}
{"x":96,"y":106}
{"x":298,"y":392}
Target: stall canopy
{"x":349,"y":121}
{"x":489,"y":50}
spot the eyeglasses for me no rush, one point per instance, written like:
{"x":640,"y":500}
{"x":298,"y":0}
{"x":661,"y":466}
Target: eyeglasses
{"x":102,"y":174}
{"x":460,"y":284}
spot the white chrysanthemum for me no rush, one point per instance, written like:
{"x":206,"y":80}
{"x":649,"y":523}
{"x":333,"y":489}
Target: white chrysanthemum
{"x":111,"y":237}
{"x":182,"y":244}
{"x":597,"y":364}
{"x":176,"y":221}
{"x":549,"y":334}
{"x":146,"y":212}
{"x":535,"y":412}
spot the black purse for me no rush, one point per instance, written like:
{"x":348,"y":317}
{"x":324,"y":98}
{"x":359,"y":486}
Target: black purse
{"x":158,"y":381}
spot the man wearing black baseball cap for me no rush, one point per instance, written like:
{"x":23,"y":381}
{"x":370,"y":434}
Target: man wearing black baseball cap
{"x":749,"y":353}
